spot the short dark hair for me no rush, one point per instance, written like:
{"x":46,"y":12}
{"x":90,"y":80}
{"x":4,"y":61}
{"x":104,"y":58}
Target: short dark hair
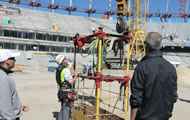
{"x":153,"y":40}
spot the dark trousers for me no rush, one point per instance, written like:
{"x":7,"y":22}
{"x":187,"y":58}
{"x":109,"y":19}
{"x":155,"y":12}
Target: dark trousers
{"x":16,"y":119}
{"x":65,"y":112}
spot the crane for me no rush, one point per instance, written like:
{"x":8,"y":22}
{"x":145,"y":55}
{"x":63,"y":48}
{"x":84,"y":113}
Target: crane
{"x":136,"y":27}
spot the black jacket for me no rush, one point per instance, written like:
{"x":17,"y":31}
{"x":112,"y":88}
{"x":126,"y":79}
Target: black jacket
{"x":153,"y":88}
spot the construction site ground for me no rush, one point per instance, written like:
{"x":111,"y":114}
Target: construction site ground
{"x":37,"y":88}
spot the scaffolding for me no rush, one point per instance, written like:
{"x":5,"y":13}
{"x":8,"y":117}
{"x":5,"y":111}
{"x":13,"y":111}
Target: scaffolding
{"x":100,"y":99}
{"x":137,"y":27}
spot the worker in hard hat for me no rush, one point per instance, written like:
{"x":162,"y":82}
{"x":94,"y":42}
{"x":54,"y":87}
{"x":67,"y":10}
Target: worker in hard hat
{"x":65,"y":78}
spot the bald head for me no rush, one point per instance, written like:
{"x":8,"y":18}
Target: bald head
{"x":153,"y":40}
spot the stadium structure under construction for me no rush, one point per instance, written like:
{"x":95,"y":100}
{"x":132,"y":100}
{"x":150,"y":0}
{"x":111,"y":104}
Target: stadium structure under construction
{"x":25,"y":29}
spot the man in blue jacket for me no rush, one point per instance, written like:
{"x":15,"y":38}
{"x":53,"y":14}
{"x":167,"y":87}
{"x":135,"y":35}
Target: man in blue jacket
{"x":10,"y":105}
{"x":154,"y":84}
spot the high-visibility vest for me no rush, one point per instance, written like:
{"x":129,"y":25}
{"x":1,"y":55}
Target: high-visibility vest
{"x":60,"y":73}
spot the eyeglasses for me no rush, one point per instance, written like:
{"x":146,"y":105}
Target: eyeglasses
{"x":12,"y":58}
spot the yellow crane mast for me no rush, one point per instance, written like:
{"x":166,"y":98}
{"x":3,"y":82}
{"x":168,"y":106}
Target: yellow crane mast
{"x":137,"y":27}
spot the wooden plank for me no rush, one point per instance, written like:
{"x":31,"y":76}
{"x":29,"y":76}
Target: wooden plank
{"x":77,"y":115}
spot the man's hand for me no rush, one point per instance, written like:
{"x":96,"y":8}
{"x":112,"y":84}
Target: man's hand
{"x":75,"y":73}
{"x":133,"y":113}
{"x":25,"y":108}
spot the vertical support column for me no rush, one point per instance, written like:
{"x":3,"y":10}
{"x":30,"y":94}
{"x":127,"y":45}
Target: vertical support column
{"x":70,"y":6}
{"x":17,"y":45}
{"x":52,"y":3}
{"x":167,"y":1}
{"x":14,"y":4}
{"x":147,"y":8}
{"x":186,"y":9}
{"x":136,"y":45}
{"x":127,"y":87}
{"x":137,"y":14}
{"x":109,"y":8}
{"x":98,"y":82}
{"x":34,"y":1}
{"x":24,"y":47}
{"x":90,"y":7}
{"x":137,"y":26}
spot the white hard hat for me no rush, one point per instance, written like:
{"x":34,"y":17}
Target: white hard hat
{"x":6,"y":54}
{"x":59,"y":59}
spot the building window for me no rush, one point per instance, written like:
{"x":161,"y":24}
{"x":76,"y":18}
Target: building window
{"x":51,"y":37}
{"x":54,"y":37}
{"x":6,"y":33}
{"x":43,"y":37}
{"x":42,"y":48}
{"x":21,"y":47}
{"x":1,"y":45}
{"x":31,"y":35}
{"x":65,"y":39}
{"x":61,"y":38}
{"x":7,"y":46}
{"x":14,"y":46}
{"x":48,"y":48}
{"x":59,"y":49}
{"x":25,"y":34}
{"x":53,"y":49}
{"x":13,"y":33}
{"x":19,"y":34}
{"x":39,"y":36}
{"x":28,"y":47}
{"x":68,"y":50}
{"x":70,"y":39}
{"x":34,"y":47}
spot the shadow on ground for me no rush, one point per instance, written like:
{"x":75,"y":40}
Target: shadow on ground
{"x":184,"y":100}
{"x":55,"y":115}
{"x":91,"y":99}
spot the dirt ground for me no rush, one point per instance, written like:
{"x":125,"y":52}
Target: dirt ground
{"x":38,"y":90}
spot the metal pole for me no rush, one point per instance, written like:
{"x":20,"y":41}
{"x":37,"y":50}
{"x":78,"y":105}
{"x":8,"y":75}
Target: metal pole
{"x":90,"y":7}
{"x":147,"y":8}
{"x":14,"y":4}
{"x":34,"y":1}
{"x":109,"y":7}
{"x":52,"y":3}
{"x":98,"y":84}
{"x":167,"y":1}
{"x":70,"y":6}
{"x":186,"y":9}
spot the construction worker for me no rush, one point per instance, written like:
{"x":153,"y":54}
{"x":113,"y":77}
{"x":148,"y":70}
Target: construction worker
{"x":65,"y":78}
{"x":154,"y":84}
{"x":10,"y":105}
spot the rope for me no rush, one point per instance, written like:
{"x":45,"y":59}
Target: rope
{"x":90,"y":47}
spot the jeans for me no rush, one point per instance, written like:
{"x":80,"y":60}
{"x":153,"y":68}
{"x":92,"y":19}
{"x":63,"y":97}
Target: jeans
{"x":65,"y":112}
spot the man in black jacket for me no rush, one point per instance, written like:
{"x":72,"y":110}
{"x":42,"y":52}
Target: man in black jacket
{"x":154,"y":84}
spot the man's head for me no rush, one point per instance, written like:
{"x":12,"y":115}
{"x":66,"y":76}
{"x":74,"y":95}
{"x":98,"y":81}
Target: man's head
{"x":60,"y":59}
{"x":7,"y":59}
{"x":153,"y":41}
